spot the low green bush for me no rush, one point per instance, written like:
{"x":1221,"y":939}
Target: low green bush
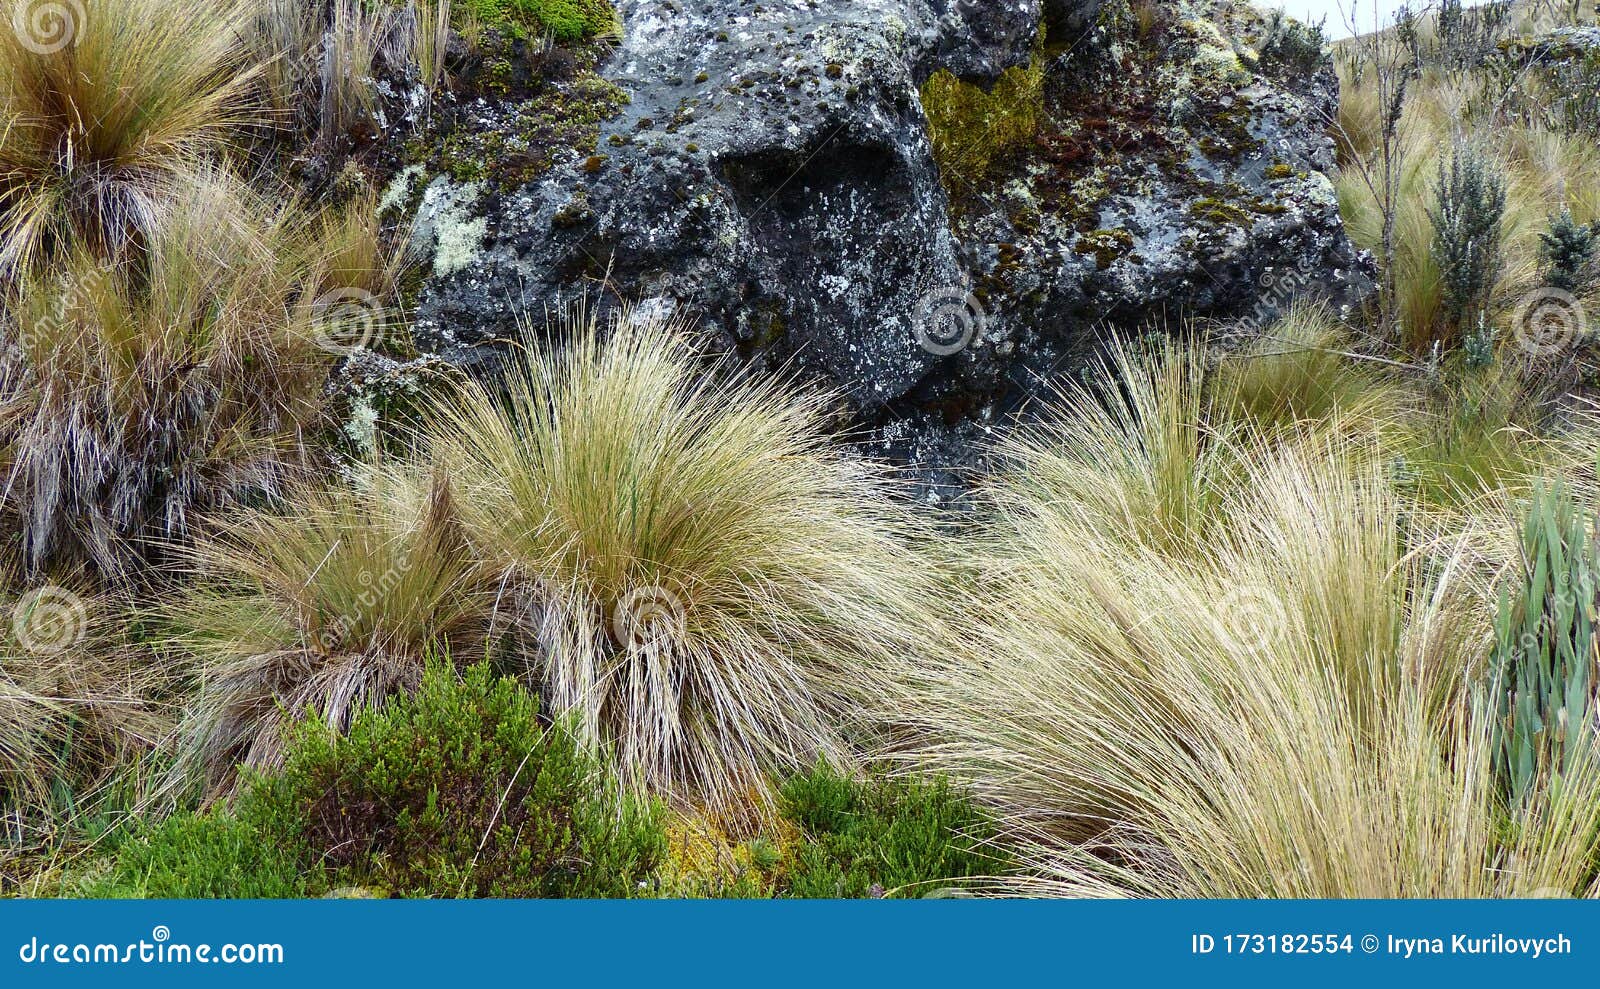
{"x":458,"y":790}
{"x":884,"y":838}
{"x":204,"y":856}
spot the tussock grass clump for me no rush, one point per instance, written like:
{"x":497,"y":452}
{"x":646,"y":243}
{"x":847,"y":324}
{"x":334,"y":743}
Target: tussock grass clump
{"x":701,"y":576}
{"x":321,"y":62}
{"x":107,"y":112}
{"x":324,"y":607}
{"x":1278,"y":709}
{"x":1301,"y":371}
{"x":133,"y":396}
{"x":78,"y":702}
{"x":1136,"y":460}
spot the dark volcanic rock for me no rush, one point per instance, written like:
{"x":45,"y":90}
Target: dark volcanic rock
{"x":773,"y":175}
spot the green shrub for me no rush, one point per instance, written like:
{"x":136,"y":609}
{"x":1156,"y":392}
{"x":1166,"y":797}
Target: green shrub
{"x":457,"y":791}
{"x":896,"y":837}
{"x":564,"y":20}
{"x":1298,"y":48}
{"x":1568,"y":249}
{"x":1468,"y":221}
{"x":204,"y":856}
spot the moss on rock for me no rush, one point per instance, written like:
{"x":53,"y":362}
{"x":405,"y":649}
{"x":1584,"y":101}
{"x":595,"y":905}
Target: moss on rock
{"x":558,"y":122}
{"x":564,"y":20}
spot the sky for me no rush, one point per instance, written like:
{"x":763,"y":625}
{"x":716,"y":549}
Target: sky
{"x":1338,"y":12}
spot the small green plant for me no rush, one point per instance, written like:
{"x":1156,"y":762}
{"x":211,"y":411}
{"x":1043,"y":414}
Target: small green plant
{"x":563,"y":20}
{"x":1568,"y":249}
{"x":884,"y":838}
{"x":1298,"y":48}
{"x":1544,"y":657}
{"x":458,"y":791}
{"x":1468,"y":218}
{"x":1477,"y":347}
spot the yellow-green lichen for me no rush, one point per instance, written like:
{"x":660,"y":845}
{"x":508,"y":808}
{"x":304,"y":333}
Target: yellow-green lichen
{"x":1106,"y":246}
{"x":973,"y":130}
{"x":1219,"y":213}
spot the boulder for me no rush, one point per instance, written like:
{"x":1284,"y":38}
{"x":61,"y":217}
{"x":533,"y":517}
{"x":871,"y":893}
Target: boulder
{"x":784,"y":174}
{"x":1560,"y":45}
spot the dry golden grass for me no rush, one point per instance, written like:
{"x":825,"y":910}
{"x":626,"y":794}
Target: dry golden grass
{"x":107,"y":113}
{"x":698,"y":572}
{"x":332,"y":604}
{"x":1253,"y":683}
{"x":136,"y":395}
{"x":79,"y":703}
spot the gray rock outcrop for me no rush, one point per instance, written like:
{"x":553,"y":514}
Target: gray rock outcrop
{"x":774,"y":173}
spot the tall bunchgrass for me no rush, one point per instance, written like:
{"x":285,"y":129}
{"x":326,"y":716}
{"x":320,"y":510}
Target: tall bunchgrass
{"x":327,"y":605}
{"x":1278,"y":704}
{"x":1304,"y":368}
{"x":701,"y":577}
{"x":79,"y":703}
{"x":134,"y":396}
{"x":322,"y":62}
{"x":106,"y":112}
